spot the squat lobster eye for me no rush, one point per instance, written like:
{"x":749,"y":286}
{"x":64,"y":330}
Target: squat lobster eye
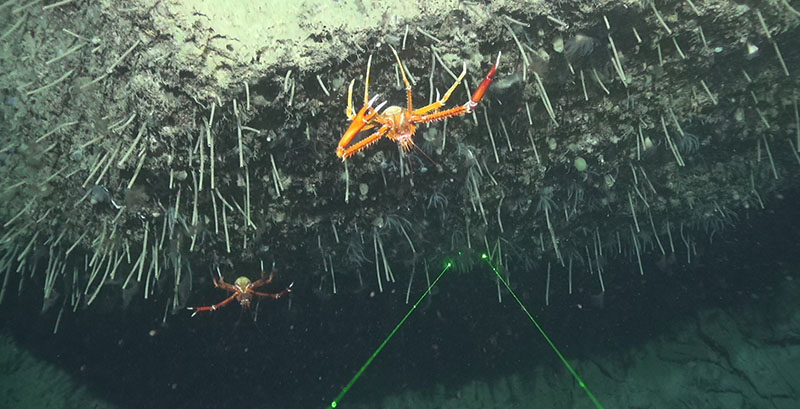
{"x":400,"y":124}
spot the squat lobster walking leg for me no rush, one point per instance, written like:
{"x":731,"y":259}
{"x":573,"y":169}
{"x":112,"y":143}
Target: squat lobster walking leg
{"x":477,"y":96}
{"x":212,"y":307}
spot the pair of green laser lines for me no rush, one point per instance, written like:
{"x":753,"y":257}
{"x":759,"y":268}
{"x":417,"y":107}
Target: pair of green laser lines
{"x":449,"y":264}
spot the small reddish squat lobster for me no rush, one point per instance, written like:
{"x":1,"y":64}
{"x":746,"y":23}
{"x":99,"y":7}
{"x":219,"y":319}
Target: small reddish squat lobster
{"x":400,"y":124}
{"x":243,"y":291}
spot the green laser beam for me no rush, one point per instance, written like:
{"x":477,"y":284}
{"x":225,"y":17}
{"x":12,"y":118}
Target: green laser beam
{"x":347,"y":387}
{"x":447,"y":266}
{"x":589,"y":393}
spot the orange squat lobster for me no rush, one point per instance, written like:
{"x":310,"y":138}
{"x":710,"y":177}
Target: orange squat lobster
{"x":244,"y":291}
{"x":399,"y":124}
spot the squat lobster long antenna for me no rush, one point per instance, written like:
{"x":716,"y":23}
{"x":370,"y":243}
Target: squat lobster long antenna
{"x":351,"y":112}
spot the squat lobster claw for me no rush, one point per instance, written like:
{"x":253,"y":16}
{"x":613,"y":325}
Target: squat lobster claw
{"x":243,"y":290}
{"x":400,"y":124}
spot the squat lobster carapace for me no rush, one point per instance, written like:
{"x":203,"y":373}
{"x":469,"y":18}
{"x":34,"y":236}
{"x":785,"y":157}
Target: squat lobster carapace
{"x":397,"y":123}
